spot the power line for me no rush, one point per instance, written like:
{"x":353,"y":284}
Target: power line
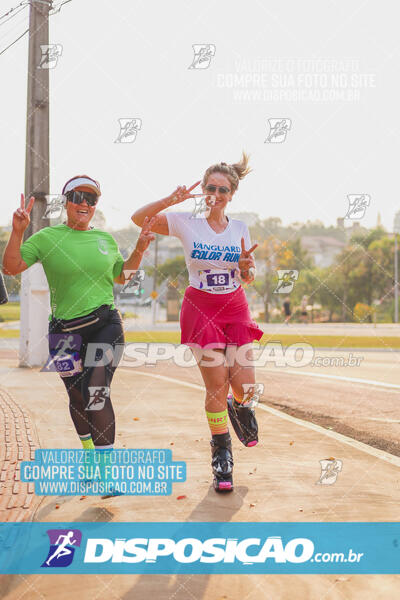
{"x":23,"y":4}
{"x":53,"y":9}
{"x":14,"y":42}
{"x":14,"y":14}
{"x":57,"y":7}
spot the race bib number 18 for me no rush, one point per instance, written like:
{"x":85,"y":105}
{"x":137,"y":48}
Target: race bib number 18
{"x":216,"y":280}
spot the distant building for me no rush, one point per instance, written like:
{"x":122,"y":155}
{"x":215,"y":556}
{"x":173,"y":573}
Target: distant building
{"x":323,"y":249}
{"x":340,"y":222}
{"x":355,"y":227}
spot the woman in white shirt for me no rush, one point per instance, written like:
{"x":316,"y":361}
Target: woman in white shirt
{"x":215,"y":318}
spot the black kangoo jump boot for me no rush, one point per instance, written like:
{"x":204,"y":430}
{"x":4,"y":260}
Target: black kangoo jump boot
{"x":222,"y":462}
{"x":243,"y":421}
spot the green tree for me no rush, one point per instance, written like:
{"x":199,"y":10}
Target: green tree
{"x":366,"y":239}
{"x":277,"y":255}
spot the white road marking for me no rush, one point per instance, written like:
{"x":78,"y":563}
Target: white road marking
{"x":390,"y":458}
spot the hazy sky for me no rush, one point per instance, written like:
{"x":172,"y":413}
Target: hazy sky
{"x":332,"y":67}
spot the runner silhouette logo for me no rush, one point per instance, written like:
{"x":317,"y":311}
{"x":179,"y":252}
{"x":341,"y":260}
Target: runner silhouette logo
{"x":63,"y":543}
{"x":98,"y":397}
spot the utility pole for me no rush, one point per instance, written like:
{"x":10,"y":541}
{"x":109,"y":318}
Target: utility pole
{"x":396,"y":230}
{"x":35,"y":305}
{"x":396,"y":278}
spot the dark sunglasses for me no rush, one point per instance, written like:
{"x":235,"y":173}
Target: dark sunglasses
{"x":77,"y":197}
{"x":213,"y":188}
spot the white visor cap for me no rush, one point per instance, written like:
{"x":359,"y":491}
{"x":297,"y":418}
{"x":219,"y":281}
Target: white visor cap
{"x":82,"y":180}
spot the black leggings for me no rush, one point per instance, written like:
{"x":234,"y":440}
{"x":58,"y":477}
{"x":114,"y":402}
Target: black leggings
{"x":89,"y":391}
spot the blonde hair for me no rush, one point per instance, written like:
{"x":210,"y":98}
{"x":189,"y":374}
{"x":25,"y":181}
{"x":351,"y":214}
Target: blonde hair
{"x":234,"y":172}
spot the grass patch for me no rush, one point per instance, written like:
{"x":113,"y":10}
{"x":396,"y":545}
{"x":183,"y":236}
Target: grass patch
{"x":317,"y":341}
{"x":334,"y":341}
{"x":9,"y":333}
{"x":160,"y":337}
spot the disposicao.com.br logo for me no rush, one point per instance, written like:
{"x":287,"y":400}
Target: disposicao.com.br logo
{"x":248,"y":551}
{"x":183,"y":551}
{"x":199,"y":547}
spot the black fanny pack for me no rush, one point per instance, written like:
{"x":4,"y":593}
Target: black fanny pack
{"x":98,"y":317}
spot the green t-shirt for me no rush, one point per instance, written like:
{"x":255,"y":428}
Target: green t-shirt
{"x":80,"y":267}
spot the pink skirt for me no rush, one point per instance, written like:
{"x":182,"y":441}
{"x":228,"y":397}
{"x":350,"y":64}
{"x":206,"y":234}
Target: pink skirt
{"x":217,"y":320}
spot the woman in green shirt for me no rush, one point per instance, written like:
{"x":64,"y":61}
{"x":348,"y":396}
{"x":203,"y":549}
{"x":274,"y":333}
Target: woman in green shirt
{"x":81,"y":264}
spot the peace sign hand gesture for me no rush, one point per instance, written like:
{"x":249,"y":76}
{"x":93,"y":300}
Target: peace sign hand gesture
{"x":246,"y":262}
{"x":21,"y":218}
{"x":181,"y":194}
{"x":146,"y":236}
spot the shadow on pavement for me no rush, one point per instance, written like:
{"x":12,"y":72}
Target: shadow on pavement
{"x":213,"y":507}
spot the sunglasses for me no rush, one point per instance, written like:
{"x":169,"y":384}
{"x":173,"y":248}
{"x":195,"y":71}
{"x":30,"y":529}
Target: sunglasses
{"x":77,"y":197}
{"x":213,"y":188}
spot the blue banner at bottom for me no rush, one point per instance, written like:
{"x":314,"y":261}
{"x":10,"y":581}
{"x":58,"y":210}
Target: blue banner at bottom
{"x":203,"y":548}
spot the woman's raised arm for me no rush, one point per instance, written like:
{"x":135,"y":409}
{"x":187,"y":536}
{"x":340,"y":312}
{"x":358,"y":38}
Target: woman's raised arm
{"x":13,"y":262}
{"x":160,"y":223}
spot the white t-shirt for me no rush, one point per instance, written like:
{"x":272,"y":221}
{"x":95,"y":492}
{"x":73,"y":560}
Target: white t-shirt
{"x":211,"y":258}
